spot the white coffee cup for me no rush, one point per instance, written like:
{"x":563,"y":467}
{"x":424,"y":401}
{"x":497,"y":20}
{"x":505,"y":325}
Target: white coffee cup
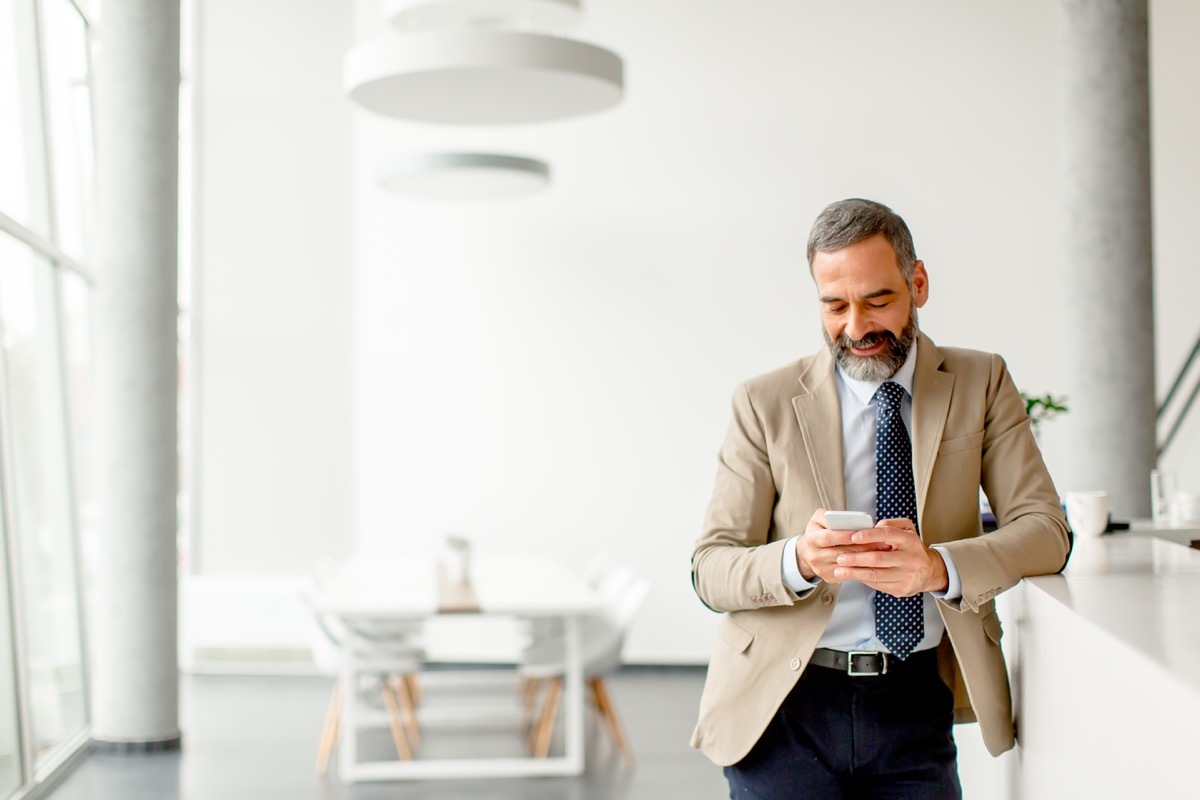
{"x":1185,"y":508}
{"x":1087,"y":513}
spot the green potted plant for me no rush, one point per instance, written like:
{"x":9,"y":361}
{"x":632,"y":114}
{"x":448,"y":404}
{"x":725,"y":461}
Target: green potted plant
{"x":1041,"y":408}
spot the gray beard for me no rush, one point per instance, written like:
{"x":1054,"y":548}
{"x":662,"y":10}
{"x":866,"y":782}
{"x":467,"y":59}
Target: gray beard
{"x":884,"y":364}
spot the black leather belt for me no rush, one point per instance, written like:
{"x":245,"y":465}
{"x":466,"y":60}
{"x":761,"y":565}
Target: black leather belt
{"x":856,"y":663}
{"x":868,"y":663}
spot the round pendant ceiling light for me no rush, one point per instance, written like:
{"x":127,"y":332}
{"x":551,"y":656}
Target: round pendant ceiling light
{"x":540,"y":15}
{"x":459,"y":176}
{"x":482,"y":77}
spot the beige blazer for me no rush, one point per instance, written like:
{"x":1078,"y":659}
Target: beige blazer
{"x":782,"y":459}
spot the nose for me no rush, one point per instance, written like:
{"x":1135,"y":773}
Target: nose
{"x":857,"y":324}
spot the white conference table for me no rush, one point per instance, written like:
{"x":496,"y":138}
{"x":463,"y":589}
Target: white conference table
{"x":526,"y":586}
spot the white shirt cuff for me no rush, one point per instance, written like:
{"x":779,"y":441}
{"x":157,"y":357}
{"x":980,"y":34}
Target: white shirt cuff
{"x":791,"y":570}
{"x":954,"y":586}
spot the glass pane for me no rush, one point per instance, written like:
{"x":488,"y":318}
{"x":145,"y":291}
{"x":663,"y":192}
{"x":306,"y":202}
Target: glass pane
{"x":14,"y":193}
{"x":36,"y":433}
{"x":77,"y":340}
{"x":10,"y":754}
{"x":69,"y":104}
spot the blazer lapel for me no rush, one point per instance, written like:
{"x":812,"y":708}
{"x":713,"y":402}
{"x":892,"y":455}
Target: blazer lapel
{"x":932,"y":388}
{"x":819,"y":415}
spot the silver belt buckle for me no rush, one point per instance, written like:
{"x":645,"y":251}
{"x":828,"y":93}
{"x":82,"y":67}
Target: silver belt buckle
{"x":850,"y":663}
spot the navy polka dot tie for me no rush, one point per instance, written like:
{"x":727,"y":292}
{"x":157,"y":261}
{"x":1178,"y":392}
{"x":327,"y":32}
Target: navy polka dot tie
{"x":899,"y":621}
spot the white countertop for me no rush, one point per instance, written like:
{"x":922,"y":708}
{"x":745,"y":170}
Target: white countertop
{"x":1143,"y":589}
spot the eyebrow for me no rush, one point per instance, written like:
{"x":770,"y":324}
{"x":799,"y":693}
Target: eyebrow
{"x":868,"y":296}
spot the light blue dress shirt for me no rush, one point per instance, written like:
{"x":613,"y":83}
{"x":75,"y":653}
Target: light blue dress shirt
{"x":852,"y":625}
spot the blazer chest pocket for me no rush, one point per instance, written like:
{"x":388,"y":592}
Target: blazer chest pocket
{"x":735,"y":635}
{"x":961,"y":444}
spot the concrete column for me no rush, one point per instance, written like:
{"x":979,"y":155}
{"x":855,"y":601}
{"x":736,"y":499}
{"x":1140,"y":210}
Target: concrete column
{"x":1107,"y":328}
{"x":135,"y":694}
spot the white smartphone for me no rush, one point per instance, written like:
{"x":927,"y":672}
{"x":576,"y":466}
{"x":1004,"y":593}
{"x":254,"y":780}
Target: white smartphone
{"x":848,"y":520}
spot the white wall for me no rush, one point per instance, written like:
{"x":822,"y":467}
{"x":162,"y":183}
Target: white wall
{"x":1175,"y":110}
{"x":554,"y":372}
{"x":275,"y":298}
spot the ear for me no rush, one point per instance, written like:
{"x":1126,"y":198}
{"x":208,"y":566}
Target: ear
{"x":920,"y":287}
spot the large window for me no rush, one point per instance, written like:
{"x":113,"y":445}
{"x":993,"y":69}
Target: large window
{"x":46,"y":181}
{"x":40,"y":500}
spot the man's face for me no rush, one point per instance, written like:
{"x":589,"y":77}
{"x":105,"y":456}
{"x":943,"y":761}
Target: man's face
{"x":868,"y":313}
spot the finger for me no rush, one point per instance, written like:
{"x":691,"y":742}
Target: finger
{"x":888,"y":581}
{"x":892,"y":536}
{"x":827,"y":538}
{"x":867,"y":558}
{"x":867,"y":575}
{"x":869,"y":547}
{"x":897,"y":522}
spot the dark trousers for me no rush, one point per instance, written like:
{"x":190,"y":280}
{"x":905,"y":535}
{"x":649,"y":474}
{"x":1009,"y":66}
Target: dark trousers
{"x":836,"y":736}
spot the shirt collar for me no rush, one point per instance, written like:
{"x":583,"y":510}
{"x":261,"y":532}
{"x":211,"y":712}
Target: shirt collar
{"x":865,"y":390}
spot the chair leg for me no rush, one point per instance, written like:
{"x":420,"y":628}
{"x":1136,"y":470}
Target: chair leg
{"x":543,"y":730}
{"x":529,"y":695}
{"x":597,"y":694}
{"x":330,"y":730}
{"x":414,"y":687}
{"x":394,"y":718}
{"x":403,"y":690}
{"x":609,"y":713}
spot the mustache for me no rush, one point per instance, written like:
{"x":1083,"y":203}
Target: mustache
{"x":881,"y":365}
{"x":871,"y":339}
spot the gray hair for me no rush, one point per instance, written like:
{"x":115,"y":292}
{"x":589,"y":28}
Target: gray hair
{"x":847,"y":222}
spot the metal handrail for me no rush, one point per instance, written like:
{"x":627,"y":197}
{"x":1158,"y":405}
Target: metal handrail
{"x":1179,"y":378}
{"x":1187,"y":405}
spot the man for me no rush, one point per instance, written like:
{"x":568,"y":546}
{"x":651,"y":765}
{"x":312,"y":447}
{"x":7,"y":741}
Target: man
{"x":844,"y":657}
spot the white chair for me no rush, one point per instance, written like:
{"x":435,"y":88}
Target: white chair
{"x":598,"y":571}
{"x":387,"y":658}
{"x":600,"y":567}
{"x":602,"y":638}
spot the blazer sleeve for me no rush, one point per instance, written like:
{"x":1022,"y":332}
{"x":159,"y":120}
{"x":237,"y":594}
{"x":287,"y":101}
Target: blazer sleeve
{"x":1031,"y":537}
{"x":734,"y":565}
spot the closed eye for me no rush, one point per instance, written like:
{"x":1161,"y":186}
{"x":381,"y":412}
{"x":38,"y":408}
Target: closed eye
{"x":882,"y":299}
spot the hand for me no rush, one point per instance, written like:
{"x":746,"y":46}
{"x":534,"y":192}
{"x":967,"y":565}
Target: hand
{"x":818,"y":548}
{"x":899,"y":564}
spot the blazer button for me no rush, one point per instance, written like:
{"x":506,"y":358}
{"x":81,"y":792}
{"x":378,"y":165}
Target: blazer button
{"x":826,"y":598}
{"x":795,"y":665}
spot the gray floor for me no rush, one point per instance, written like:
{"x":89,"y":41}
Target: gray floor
{"x":256,"y":738}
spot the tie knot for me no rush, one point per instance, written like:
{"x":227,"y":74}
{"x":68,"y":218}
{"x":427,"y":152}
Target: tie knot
{"x":889,"y":396}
